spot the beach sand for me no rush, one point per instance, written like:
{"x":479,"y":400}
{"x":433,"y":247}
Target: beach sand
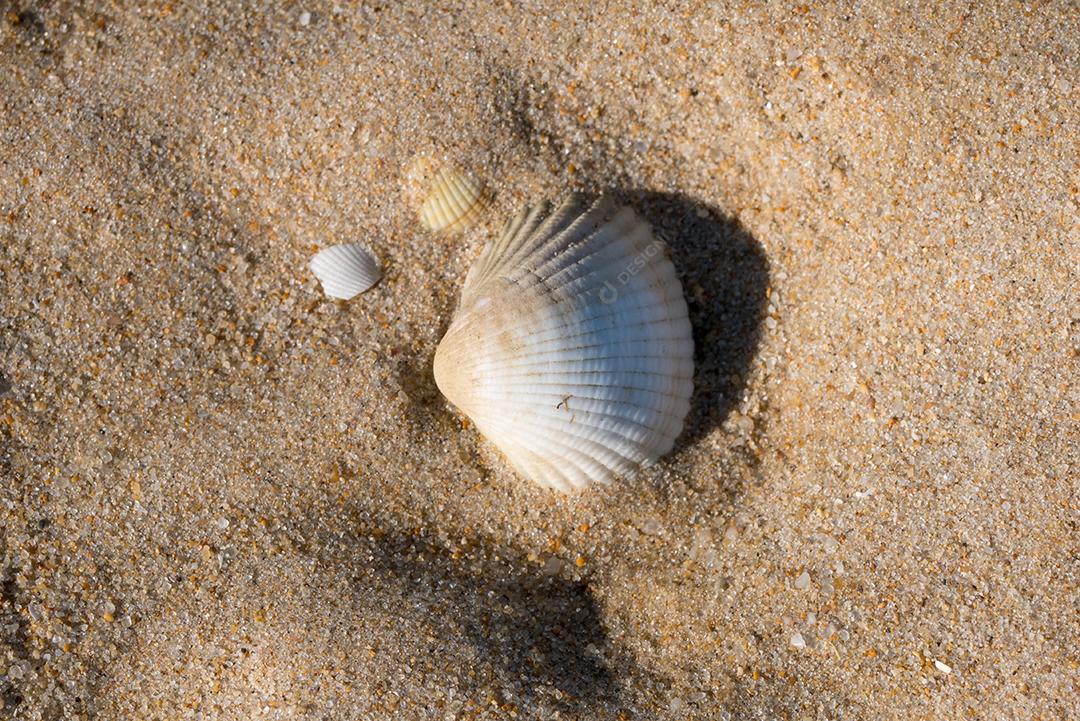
{"x":225,"y":496}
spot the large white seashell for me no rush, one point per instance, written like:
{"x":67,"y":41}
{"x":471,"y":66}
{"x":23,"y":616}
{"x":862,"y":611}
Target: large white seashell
{"x":345,"y":270}
{"x":571,"y":349}
{"x":448,"y":198}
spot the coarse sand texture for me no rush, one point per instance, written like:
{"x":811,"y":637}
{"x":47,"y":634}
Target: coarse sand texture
{"x":225,"y":495}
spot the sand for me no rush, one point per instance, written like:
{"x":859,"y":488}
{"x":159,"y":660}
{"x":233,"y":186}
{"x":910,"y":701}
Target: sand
{"x":225,"y":496}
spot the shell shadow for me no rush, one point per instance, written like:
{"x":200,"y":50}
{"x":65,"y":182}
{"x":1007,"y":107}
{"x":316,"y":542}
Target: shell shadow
{"x":538,"y":640}
{"x":725,"y":275}
{"x":15,"y":635}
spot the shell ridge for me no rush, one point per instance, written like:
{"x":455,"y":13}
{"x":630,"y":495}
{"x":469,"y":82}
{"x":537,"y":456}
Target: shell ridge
{"x":562,"y":390}
{"x":525,"y":246}
{"x":346,"y":270}
{"x":647,"y":421}
{"x":535,"y":444}
{"x":514,"y":243}
{"x":537,"y":346}
{"x":555,"y":419}
{"x":654,"y":390}
{"x":592,"y":364}
{"x":469,"y":198}
{"x":573,"y":386}
{"x":519,"y":229}
{"x":532,"y":464}
{"x":598,"y":366}
{"x":447,"y":200}
{"x":543,"y":230}
{"x":529,"y":466}
{"x":563,"y":271}
{"x":586,"y":378}
{"x":661,"y":436}
{"x":530,"y":440}
{"x":573,"y":281}
{"x":614,"y":310}
{"x":449,"y":197}
{"x":600,"y":371}
{"x":572,"y":262}
{"x":578,"y":234}
{"x":642,"y":348}
{"x":614,"y":427}
{"x":560,"y":244}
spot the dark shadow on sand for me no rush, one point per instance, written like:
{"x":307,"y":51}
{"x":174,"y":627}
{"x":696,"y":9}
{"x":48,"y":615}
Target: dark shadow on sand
{"x":725,"y":275}
{"x":538,"y":638}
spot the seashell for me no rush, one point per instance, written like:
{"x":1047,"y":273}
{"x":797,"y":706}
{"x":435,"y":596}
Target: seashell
{"x":571,"y":349}
{"x":448,"y":197}
{"x":345,"y":270}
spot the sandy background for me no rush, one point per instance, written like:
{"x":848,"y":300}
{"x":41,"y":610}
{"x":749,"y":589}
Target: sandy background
{"x":223,"y":496}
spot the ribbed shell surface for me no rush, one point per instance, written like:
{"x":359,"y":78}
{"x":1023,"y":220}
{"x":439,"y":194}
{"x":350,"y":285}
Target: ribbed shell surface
{"x":345,"y":270}
{"x":571,"y":349}
{"x":454,"y":200}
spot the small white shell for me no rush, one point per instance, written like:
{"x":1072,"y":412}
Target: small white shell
{"x":449,"y":199}
{"x":571,"y":350}
{"x":345,"y":270}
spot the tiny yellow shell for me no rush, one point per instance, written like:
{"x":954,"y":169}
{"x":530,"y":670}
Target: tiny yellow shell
{"x":449,"y":199}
